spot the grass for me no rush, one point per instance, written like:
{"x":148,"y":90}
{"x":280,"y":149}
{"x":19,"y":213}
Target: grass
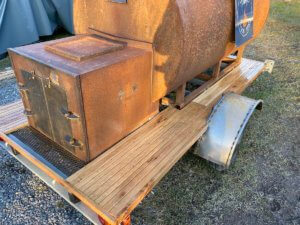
{"x":4,"y":63}
{"x":287,"y":12}
{"x":263,"y":186}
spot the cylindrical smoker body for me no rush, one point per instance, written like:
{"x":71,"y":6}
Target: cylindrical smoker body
{"x":188,"y":36}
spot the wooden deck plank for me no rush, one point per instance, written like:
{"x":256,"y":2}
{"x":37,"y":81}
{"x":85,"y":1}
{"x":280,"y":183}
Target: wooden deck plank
{"x":178,"y":128}
{"x":158,"y":152}
{"x":236,"y":81}
{"x":125,"y":166}
{"x":136,"y":186}
{"x":11,"y":116}
{"x":135,"y":145}
{"x":7,"y":73}
{"x":110,"y":158}
{"x":118,"y":180}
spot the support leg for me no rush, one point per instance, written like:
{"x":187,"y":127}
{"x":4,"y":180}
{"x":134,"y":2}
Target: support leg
{"x":204,"y":76}
{"x":73,"y":198}
{"x":180,"y":95}
{"x":182,"y":100}
{"x":14,"y":151}
{"x":240,"y":54}
{"x":127,"y":221}
{"x":102,"y":221}
{"x":217,"y":69}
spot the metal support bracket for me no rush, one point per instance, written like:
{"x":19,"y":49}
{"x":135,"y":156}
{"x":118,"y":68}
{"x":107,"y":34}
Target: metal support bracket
{"x":226,"y":125}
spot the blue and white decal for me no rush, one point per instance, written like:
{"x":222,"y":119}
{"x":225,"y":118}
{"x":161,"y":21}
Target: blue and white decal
{"x":243,"y":21}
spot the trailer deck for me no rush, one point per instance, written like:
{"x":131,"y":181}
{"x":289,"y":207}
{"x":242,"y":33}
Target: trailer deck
{"x":113,"y":184}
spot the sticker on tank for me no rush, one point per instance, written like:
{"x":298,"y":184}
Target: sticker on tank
{"x":243,"y":21}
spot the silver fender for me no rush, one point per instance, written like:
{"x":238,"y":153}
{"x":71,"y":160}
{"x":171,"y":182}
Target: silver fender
{"x":225,"y":128}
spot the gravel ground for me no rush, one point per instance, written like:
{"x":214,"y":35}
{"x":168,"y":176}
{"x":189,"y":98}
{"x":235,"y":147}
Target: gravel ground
{"x":8,"y":91}
{"x":24,"y":198}
{"x":263,"y":187}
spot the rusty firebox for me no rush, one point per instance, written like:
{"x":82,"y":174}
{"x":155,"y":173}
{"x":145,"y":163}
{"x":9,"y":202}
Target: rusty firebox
{"x":88,"y":92}
{"x":85,"y":92}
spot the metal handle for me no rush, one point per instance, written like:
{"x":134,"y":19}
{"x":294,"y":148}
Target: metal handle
{"x":73,"y":142}
{"x":119,"y":1}
{"x":28,"y":113}
{"x":69,"y":115}
{"x":23,"y":88}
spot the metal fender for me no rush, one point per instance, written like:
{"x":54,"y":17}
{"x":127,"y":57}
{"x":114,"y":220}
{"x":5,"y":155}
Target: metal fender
{"x":226,"y":125}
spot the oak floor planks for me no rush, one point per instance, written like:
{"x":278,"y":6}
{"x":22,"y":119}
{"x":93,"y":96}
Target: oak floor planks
{"x":11,"y":116}
{"x":236,"y":81}
{"x":7,"y":73}
{"x":118,"y":180}
{"x":118,"y":185}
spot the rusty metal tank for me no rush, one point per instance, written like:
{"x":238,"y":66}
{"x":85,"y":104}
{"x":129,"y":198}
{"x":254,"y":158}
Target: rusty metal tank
{"x":187,"y":36}
{"x":88,"y":92}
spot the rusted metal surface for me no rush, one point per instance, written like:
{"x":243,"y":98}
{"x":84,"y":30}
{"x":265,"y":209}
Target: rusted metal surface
{"x":46,"y":92}
{"x":48,"y":103}
{"x":205,"y":80}
{"x":84,"y":47}
{"x":117,"y":98}
{"x":88,"y":92}
{"x":187,"y":36}
{"x":85,"y":100}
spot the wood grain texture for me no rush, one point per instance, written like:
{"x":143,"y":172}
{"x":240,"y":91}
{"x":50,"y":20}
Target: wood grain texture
{"x":120,"y":178}
{"x":235,"y":81}
{"x":11,"y":116}
{"x":117,"y":181}
{"x":8,"y":73}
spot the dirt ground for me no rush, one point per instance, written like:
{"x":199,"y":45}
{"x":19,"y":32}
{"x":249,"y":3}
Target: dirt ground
{"x":263,"y":186}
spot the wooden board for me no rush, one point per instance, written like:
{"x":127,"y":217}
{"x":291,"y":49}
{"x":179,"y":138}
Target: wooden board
{"x":12,"y":117}
{"x":117,"y":181}
{"x":236,"y":81}
{"x":120,"y":178}
{"x":7,"y":73}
